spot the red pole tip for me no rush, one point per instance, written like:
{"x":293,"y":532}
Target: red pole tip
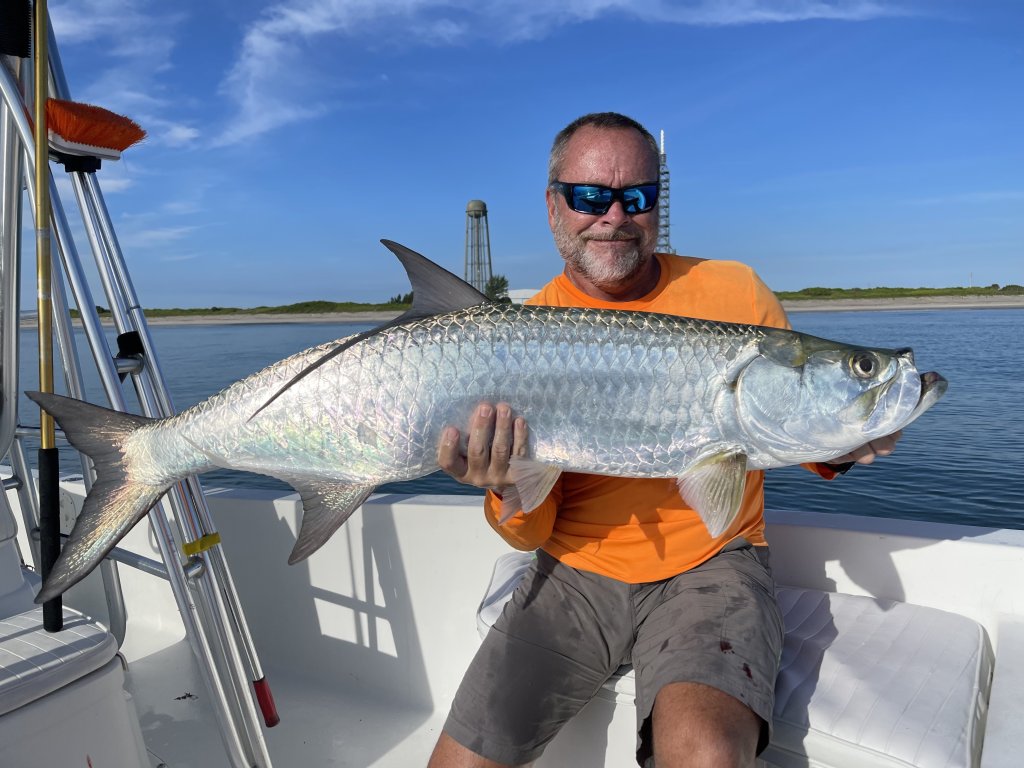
{"x":266,"y":702}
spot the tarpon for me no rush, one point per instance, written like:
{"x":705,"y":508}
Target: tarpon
{"x":623,"y":393}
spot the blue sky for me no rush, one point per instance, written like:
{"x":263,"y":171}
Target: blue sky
{"x":824,"y":142}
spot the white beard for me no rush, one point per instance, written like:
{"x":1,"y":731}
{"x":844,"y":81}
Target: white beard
{"x":600,"y":269}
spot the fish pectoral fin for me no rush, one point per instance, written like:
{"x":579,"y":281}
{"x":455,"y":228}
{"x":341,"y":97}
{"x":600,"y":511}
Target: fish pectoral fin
{"x":510,"y":504}
{"x":325,"y":506}
{"x":713,"y":485}
{"x":532,"y":483}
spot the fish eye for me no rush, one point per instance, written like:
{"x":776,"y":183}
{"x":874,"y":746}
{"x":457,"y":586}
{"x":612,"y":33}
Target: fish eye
{"x":864,"y":365}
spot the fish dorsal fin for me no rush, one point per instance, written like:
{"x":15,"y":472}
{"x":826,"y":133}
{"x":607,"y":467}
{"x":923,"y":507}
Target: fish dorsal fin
{"x":713,"y":485}
{"x":435,"y":290}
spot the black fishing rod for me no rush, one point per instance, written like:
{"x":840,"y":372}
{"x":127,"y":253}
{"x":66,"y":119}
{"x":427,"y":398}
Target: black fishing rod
{"x":49,"y":463}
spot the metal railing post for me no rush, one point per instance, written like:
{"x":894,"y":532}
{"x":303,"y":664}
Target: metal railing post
{"x":234,"y":707}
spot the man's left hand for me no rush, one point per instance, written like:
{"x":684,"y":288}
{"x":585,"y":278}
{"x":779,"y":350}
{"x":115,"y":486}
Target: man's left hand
{"x":868,"y":452}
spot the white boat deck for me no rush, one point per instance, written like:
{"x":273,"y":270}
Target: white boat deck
{"x":365,"y":643}
{"x":320,"y":725}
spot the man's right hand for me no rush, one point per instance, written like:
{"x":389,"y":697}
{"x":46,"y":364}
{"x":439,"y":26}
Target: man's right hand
{"x":494,"y":437}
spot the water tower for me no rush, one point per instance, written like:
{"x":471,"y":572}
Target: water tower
{"x":664,"y":235}
{"x":478,"y":245}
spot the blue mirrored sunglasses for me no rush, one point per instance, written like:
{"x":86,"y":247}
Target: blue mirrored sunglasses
{"x":596,"y":200}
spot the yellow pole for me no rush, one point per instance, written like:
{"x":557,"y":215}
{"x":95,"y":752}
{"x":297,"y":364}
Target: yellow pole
{"x":42,"y":206}
{"x":49,"y":511}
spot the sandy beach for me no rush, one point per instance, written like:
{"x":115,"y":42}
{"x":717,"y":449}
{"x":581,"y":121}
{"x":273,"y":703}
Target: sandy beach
{"x":810,"y":305}
{"x":906,"y":303}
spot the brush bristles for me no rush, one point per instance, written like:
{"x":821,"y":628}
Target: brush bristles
{"x":91,"y":125}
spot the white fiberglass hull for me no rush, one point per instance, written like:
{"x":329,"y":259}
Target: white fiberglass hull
{"x":365,"y":643}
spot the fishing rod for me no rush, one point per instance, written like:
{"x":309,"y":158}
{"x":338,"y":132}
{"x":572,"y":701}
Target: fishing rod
{"x":49,"y":462}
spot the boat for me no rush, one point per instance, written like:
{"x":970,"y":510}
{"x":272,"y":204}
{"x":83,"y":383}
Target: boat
{"x":196,"y":645}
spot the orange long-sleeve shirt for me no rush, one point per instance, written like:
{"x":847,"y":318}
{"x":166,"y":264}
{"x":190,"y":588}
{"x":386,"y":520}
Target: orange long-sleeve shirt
{"x":640,"y":530}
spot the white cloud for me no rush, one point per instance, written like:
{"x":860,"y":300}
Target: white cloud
{"x":130,"y":44}
{"x":266,"y":80}
{"x":972,"y":198}
{"x":126,"y":29}
{"x":112,"y":185}
{"x":270,"y":84}
{"x":152,"y":237}
{"x":173,"y":134}
{"x":526,"y":19}
{"x":88,"y":20}
{"x":173,"y":257}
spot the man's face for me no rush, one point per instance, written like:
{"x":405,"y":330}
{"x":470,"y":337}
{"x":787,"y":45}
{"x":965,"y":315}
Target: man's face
{"x":611,"y":248}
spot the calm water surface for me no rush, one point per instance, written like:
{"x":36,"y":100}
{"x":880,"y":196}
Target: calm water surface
{"x":961,"y":462}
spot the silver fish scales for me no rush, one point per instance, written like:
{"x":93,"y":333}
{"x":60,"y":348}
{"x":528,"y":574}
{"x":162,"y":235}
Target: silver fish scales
{"x":637,"y":385}
{"x":609,"y":392}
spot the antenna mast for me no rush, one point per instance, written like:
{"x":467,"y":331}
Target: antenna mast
{"x":664,"y":232}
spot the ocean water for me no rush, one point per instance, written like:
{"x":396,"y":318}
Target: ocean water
{"x":960,"y":462}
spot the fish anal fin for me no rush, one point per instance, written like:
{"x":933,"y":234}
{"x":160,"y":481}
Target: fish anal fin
{"x":325,"y":507}
{"x":532,"y":484}
{"x":713,"y":485}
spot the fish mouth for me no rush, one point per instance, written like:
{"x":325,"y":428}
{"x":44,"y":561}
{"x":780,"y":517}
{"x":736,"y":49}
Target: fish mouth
{"x":933,"y":387}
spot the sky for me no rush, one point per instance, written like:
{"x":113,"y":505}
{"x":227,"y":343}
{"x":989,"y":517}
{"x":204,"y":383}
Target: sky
{"x":841,"y":143}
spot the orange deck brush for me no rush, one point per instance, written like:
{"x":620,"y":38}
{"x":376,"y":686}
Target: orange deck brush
{"x":84,"y":129}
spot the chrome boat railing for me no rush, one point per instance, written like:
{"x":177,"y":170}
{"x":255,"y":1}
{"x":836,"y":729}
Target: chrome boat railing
{"x":200,"y":581}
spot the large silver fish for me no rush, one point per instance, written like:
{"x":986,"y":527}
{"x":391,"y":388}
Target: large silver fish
{"x":610,"y":392}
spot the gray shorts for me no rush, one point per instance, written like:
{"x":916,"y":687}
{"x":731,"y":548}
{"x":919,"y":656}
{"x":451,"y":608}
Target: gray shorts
{"x":565,"y":631}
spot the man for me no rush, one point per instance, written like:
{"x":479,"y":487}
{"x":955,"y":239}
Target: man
{"x":625,"y":571}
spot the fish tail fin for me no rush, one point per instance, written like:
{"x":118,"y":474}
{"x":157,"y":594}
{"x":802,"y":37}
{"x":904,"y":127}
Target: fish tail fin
{"x":116,"y":501}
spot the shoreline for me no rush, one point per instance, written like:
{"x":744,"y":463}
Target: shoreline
{"x":904,"y":303}
{"x":908,"y":303}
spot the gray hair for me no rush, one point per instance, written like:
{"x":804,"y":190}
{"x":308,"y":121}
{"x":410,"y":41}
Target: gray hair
{"x":611,"y":120}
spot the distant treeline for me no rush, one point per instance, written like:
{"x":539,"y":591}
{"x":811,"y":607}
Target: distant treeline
{"x":299,"y":308}
{"x":402,"y":302}
{"x":898,"y":293}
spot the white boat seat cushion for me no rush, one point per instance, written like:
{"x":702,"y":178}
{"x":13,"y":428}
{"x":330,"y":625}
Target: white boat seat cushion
{"x":863,"y":682}
{"x":34,"y":662}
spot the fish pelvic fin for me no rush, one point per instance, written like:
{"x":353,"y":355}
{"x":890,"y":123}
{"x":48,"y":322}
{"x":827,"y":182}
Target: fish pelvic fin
{"x":713,"y":485}
{"x":114,"y":503}
{"x":435,"y":290}
{"x":325,"y":507}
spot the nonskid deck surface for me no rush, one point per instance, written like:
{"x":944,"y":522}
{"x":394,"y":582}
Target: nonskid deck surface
{"x":364,"y":644}
{"x":319,"y":726}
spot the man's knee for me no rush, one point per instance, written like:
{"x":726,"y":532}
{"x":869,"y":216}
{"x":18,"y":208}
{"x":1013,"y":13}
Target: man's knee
{"x":448,"y":753}
{"x":696,"y":725}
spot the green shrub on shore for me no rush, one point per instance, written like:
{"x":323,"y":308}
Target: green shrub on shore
{"x":818,"y":293}
{"x":401,"y":302}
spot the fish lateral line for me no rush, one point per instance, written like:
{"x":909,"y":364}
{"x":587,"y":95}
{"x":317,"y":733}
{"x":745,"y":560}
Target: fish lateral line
{"x":435,"y":291}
